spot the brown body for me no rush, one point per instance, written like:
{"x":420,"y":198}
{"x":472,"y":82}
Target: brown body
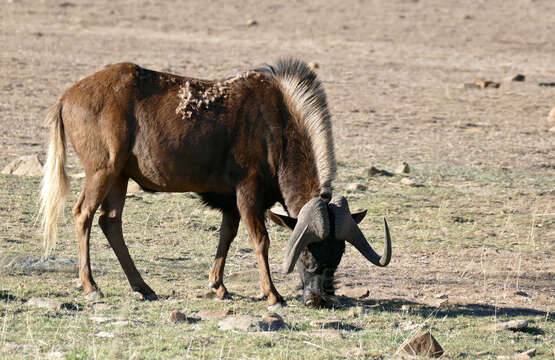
{"x":242,"y":143}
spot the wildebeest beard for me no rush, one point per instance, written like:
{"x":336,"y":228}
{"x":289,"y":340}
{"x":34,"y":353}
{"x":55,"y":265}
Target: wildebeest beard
{"x":316,"y":267}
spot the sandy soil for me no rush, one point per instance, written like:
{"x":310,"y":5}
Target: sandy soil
{"x":394,"y":73}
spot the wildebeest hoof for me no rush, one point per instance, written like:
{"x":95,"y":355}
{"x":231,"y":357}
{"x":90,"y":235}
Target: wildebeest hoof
{"x":277,"y":305}
{"x":212,"y":285}
{"x":151,"y":296}
{"x":94,"y":295}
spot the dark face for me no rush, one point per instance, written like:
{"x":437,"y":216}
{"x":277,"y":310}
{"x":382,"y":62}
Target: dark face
{"x":316,"y":267}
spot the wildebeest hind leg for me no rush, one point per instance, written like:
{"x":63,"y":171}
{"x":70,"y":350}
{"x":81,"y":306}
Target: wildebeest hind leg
{"x":96,"y":186}
{"x":228,"y":231}
{"x":110,"y":223}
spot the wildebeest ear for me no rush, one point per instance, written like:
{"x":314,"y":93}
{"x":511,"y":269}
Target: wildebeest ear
{"x":359,"y":216}
{"x":282,"y":220}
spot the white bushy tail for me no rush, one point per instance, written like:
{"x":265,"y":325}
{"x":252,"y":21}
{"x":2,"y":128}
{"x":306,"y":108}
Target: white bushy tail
{"x":55,"y":182}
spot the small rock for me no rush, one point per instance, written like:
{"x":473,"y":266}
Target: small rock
{"x":485,"y":84}
{"x":551,"y":116}
{"x":46,"y":303}
{"x":104,"y":334}
{"x":403,"y":168}
{"x":424,"y":345}
{"x":547,"y":84}
{"x":313,"y":65}
{"x":521,"y":293}
{"x":517,"y":77}
{"x":374,"y":171}
{"x":525,"y":355}
{"x":356,"y":187}
{"x":471,"y":86}
{"x":36,"y":263}
{"x":133,"y":187}
{"x":507,"y":325}
{"x":241,"y":322}
{"x":467,"y":17}
{"x":482,"y":353}
{"x":356,"y":293}
{"x":213,"y":314}
{"x":66,"y":4}
{"x":272,"y":322}
{"x":441,"y":296}
{"x":408,"y":182}
{"x":29,"y":165}
{"x":252,"y":22}
{"x":100,"y":319}
{"x":179,"y":317}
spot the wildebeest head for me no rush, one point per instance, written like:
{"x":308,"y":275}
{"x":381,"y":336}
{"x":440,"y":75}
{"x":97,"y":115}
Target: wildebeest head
{"x":321,"y":229}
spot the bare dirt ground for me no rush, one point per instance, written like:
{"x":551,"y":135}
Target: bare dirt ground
{"x":394,"y":72}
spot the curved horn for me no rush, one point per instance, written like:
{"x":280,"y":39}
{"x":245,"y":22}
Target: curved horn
{"x":347,"y":229}
{"x":313,"y":225}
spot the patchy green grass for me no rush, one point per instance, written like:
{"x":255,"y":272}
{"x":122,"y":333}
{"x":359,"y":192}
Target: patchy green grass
{"x":474,"y":234}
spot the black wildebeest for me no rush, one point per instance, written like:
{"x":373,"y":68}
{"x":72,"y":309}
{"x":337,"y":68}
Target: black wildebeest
{"x":242,"y":143}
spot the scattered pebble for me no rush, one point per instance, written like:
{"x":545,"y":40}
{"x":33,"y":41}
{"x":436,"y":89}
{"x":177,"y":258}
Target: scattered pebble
{"x":356,"y":187}
{"x":403,"y":168}
{"x":423,"y":345}
{"x":133,"y":187}
{"x":272,"y":322}
{"x":356,"y":293}
{"x":240,"y":322}
{"x":517,"y":77}
{"x":525,"y":354}
{"x":37,"y":263}
{"x":252,"y":22}
{"x":467,"y":17}
{"x":521,"y":293}
{"x":29,"y":165}
{"x":213,"y":314}
{"x":551,"y":116}
{"x":179,"y":317}
{"x":408,"y":182}
{"x":481,"y":83}
{"x":313,"y":65}
{"x":374,"y":171}
{"x":52,"y":304}
{"x":507,"y":325}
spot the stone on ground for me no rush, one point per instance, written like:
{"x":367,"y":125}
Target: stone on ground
{"x":52,"y":304}
{"x":551,"y":116}
{"x":36,"y":263}
{"x":240,"y":322}
{"x":507,"y":325}
{"x":213,"y":314}
{"x":29,"y":165}
{"x":179,"y":317}
{"x":356,"y":187}
{"x":272,"y":322}
{"x":528,"y":354}
{"x":422,"y":345}
{"x":517,"y":77}
{"x":356,"y":293}
{"x":404,"y":168}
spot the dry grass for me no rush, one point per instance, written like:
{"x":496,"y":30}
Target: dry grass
{"x":479,"y":228}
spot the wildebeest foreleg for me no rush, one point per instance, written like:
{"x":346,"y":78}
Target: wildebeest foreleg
{"x":228,"y":231}
{"x":258,"y":236}
{"x":110,"y":223}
